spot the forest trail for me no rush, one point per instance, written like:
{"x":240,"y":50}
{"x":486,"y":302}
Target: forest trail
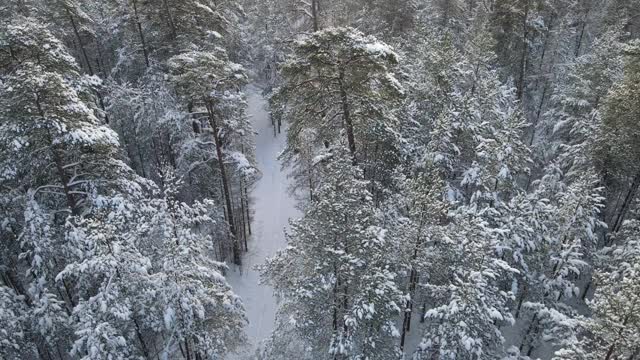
{"x":273,"y":206}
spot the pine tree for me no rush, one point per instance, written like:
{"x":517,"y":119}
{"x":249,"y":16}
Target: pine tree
{"x":613,"y":330}
{"x":576,"y":112}
{"x":59,"y":156}
{"x":49,"y":122}
{"x":468,"y":303}
{"x":569,"y":239}
{"x":198,"y":311}
{"x":336,"y":283}
{"x":340,"y":83}
{"x":177,"y":26}
{"x":421,"y":229}
{"x":616,"y":162}
{"x":15,"y":340}
{"x":500,"y":154}
{"x":210,"y":80}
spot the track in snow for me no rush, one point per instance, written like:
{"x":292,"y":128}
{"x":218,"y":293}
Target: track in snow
{"x":273,"y":206}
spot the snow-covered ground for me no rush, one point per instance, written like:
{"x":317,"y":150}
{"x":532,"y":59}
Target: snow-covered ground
{"x":273,"y":207}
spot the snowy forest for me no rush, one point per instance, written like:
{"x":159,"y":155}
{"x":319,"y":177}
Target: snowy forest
{"x":320,"y":179}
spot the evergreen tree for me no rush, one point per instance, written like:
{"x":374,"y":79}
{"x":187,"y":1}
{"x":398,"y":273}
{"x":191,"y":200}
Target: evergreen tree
{"x":340,"y":83}
{"x":469,"y":306}
{"x":613,"y":330}
{"x":337,"y":285}
{"x":210,"y":80}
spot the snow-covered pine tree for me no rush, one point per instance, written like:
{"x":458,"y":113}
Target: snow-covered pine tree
{"x":618,"y":146}
{"x":613,"y":329}
{"x":576,"y":115}
{"x":150,"y":125}
{"x":468,"y":304}
{"x":49,"y":122}
{"x":336,"y":282}
{"x":340,"y":83}
{"x":474,"y":122}
{"x":108,"y":271}
{"x":175,"y":26}
{"x":92,"y":285}
{"x":422,"y":228}
{"x":146,"y":284}
{"x":569,"y":238}
{"x":209,"y":81}
{"x":56,"y":155}
{"x":196,"y":308}
{"x":501,"y":156}
{"x":16,"y":341}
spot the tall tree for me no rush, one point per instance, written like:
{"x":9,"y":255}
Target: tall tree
{"x":337,"y":286}
{"x":211,"y":81}
{"x":340,"y":83}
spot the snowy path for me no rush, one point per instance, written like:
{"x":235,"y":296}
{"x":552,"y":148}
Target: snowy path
{"x":273,"y":207}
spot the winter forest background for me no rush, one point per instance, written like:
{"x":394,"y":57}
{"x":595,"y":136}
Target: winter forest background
{"x":462,"y":177}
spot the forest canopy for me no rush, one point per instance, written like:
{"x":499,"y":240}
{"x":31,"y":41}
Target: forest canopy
{"x":466,"y":174}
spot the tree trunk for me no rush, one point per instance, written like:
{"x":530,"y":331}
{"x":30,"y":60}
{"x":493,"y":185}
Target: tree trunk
{"x":615,"y":341}
{"x":172,"y":25}
{"x":246,"y":202}
{"x":525,"y":340}
{"x":586,"y":289}
{"x":408,"y":312}
{"x":64,"y":179}
{"x":581,"y":34}
{"x":625,"y":205}
{"x":225,"y":184}
{"x":86,"y":59}
{"x":143,"y":345}
{"x":77,"y":34}
{"x":538,"y":113}
{"x":523,"y":55}
{"x":610,"y":351}
{"x":244,"y":196}
{"x":186,"y":346}
{"x":243,"y":213}
{"x":140,"y":33}
{"x":314,"y":13}
{"x":521,"y":300}
{"x":334,"y":321}
{"x":413,"y":281}
{"x":347,"y":118}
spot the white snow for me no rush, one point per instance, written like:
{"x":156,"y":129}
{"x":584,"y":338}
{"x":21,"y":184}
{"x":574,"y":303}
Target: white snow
{"x":273,"y":207}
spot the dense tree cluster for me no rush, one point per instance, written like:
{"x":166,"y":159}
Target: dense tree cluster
{"x":126,"y":157}
{"x":496,"y":141}
{"x":468,"y":173}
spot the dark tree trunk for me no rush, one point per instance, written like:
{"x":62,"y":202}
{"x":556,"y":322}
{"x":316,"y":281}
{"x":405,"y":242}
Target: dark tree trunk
{"x":626,"y":203}
{"x":143,"y":345}
{"x":225,"y":184}
{"x":172,"y":25}
{"x":581,"y":34}
{"x":413,"y":281}
{"x":521,"y":300}
{"x":524,"y":53}
{"x":77,"y":34}
{"x":315,"y":14}
{"x":525,"y":340}
{"x":86,"y":59}
{"x":247,"y":209}
{"x":347,"y":118}
{"x":140,"y":33}
{"x":408,"y":312}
